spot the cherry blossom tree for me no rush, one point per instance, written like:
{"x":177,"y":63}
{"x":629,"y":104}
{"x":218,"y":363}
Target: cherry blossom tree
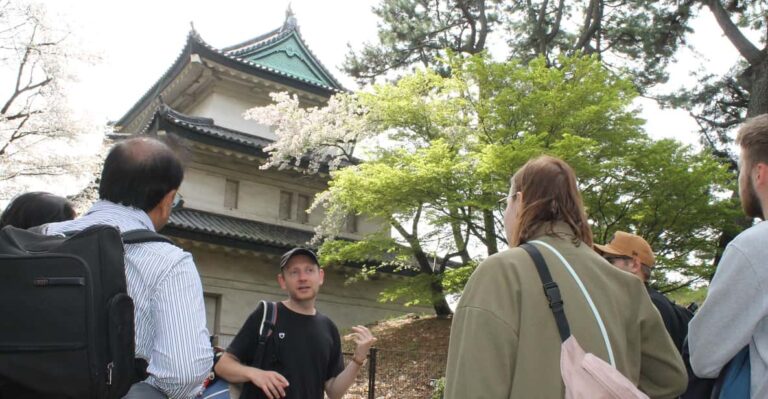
{"x":319,"y":135}
{"x":37,"y":127}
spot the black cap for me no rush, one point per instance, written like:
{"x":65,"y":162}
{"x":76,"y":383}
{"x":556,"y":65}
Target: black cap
{"x":297,"y":251}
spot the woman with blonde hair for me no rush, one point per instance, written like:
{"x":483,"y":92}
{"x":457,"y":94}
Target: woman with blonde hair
{"x":505,"y":342}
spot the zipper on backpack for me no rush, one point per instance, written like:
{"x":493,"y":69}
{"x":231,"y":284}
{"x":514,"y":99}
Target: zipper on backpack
{"x":110,"y":366}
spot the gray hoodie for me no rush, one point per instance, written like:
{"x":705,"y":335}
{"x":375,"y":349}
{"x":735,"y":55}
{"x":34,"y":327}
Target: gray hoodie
{"x":735,"y":313}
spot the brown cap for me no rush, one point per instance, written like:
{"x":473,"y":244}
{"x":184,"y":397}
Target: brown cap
{"x":631,"y":245}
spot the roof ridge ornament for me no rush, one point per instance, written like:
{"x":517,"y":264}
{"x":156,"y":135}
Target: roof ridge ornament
{"x":193,"y":32}
{"x":290,"y":19}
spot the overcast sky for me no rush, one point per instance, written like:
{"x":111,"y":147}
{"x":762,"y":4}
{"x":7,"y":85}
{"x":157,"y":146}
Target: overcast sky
{"x":138,"y":41}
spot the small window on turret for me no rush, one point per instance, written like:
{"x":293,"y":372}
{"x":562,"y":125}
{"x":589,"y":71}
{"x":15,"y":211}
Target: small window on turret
{"x":286,"y":205}
{"x":303,"y":203}
{"x":231,"y":191}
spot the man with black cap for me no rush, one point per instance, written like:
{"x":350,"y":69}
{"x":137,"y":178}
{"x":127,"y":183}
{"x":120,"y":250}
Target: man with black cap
{"x":302,"y":358}
{"x":631,"y":253}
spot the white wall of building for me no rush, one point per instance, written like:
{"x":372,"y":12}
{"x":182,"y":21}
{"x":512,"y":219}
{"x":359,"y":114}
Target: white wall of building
{"x":258,"y":197}
{"x":226,"y":105}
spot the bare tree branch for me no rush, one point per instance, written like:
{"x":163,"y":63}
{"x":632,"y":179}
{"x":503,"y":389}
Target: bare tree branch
{"x":747,"y":50}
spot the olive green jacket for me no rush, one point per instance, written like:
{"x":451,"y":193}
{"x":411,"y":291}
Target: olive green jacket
{"x":505,"y":343}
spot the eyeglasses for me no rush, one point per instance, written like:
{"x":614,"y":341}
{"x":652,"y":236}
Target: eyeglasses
{"x":612,"y":259}
{"x":502,"y":203}
{"x":178,"y":201}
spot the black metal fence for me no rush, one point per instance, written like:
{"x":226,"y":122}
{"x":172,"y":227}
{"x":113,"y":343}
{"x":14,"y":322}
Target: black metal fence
{"x":390,"y":374}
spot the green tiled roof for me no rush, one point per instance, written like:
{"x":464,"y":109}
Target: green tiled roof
{"x":286,"y":51}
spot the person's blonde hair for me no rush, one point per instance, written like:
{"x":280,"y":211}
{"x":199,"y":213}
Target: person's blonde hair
{"x":753,"y":138}
{"x":549,"y":194}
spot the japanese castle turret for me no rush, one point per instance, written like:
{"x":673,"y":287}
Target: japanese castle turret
{"x":237,"y":219}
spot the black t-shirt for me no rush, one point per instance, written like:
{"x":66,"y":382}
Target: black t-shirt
{"x":306,"y":350}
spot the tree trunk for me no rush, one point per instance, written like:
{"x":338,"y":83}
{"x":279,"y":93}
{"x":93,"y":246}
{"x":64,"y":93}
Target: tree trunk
{"x":442,"y":310}
{"x":461,"y":244}
{"x":490,"y":232}
{"x":758,"y":89}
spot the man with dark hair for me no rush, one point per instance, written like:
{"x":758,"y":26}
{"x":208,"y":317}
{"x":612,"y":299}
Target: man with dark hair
{"x":139,"y":187}
{"x":632,"y":254}
{"x":735,"y":313}
{"x":138,"y":173}
{"x":302,"y":358}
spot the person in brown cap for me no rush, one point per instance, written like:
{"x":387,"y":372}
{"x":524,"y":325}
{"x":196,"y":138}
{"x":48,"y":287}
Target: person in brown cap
{"x":631,"y":253}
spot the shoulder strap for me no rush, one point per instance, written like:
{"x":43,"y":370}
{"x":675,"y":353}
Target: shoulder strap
{"x":268,"y":319}
{"x":39,"y":229}
{"x":584,"y":291}
{"x":268,"y":322}
{"x":551,"y":290}
{"x":143,"y":235}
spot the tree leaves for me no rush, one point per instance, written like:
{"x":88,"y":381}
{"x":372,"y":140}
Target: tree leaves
{"x":451,"y":144}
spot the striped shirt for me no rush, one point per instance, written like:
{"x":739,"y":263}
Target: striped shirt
{"x":167,"y":293}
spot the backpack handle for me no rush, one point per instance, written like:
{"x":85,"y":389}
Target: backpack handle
{"x":144,"y":235}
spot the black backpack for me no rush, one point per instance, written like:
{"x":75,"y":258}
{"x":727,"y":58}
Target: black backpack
{"x":698,"y":388}
{"x":67,"y":328}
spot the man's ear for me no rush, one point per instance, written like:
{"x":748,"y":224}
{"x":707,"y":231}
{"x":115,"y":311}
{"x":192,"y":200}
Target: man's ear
{"x":761,"y":174}
{"x":162,"y":211}
{"x":167,"y":200}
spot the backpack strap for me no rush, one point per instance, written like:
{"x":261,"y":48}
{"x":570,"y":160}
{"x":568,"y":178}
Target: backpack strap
{"x":268,"y":319}
{"x":267,"y":326}
{"x":39,"y":229}
{"x":588,"y":297}
{"x":551,"y":290}
{"x":144,"y":235}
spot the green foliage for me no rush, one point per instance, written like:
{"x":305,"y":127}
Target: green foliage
{"x":454,"y":141}
{"x":414,"y":291}
{"x":639,"y":36}
{"x":456,"y":278}
{"x":675,"y":198}
{"x":372,"y":253}
{"x":420,"y":32}
{"x":686,"y":296}
{"x":439,"y":388}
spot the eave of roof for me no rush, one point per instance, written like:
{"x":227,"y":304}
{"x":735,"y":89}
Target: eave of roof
{"x":199,"y":129}
{"x":235,"y":232}
{"x":205,"y":131}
